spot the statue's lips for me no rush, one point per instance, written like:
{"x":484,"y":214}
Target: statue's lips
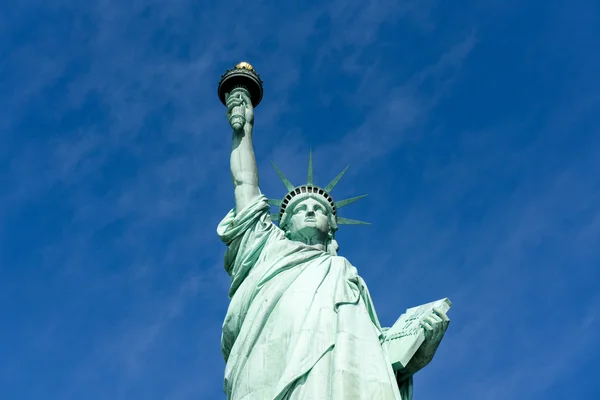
{"x":310,"y":220}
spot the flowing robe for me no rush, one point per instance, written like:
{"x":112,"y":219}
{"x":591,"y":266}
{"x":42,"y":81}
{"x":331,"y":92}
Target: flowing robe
{"x":300,"y":324}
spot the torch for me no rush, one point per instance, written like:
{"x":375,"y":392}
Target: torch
{"x":243,"y":78}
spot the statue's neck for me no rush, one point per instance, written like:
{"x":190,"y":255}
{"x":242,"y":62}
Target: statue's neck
{"x":318,"y":246}
{"x":313,"y":243}
{"x":316,"y":240}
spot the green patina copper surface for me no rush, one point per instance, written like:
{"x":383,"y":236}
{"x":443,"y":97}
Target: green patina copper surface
{"x":301,"y":323}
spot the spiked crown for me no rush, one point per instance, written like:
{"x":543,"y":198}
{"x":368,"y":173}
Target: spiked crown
{"x":298,"y":193}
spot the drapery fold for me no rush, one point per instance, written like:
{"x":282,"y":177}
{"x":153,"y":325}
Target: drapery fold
{"x":300,"y":324}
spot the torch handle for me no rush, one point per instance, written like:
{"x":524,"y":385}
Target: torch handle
{"x":238,"y":113}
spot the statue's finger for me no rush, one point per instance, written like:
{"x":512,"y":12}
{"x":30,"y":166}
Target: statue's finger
{"x":438,"y":328}
{"x":446,"y":323}
{"x":436,"y":318}
{"x":426,"y":325}
{"x":245,"y":97}
{"x":441,"y":314}
{"x":233,"y":99}
{"x":233,"y":103}
{"x":443,"y":329}
{"x":439,"y":334}
{"x":428,"y":331}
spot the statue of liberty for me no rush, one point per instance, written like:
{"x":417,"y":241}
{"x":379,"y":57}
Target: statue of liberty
{"x":300,"y":323}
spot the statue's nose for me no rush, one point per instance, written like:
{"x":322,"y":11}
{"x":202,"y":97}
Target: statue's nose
{"x":310,"y":213}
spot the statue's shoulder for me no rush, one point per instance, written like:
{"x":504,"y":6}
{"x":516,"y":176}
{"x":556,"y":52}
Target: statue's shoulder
{"x":340,"y":259}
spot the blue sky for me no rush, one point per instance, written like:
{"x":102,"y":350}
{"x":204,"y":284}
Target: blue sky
{"x":474,"y":128}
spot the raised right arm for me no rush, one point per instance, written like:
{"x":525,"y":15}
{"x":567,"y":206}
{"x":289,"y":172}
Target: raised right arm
{"x":244,"y":170}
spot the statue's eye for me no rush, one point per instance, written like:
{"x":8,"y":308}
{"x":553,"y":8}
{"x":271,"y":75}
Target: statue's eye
{"x":300,"y":209}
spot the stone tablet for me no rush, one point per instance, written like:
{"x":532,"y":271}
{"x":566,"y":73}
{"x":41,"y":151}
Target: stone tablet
{"x":403,"y":339}
{"x":301,"y":323}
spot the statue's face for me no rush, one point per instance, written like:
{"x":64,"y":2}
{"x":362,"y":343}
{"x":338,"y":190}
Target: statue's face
{"x":309,"y":222}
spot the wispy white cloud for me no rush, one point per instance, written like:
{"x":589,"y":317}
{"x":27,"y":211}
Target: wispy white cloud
{"x":510,"y":271}
{"x":156,"y":113}
{"x":137,"y":186}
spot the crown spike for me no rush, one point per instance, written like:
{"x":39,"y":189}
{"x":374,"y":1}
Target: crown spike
{"x":286,"y":182}
{"x":335,"y":180}
{"x":310,"y":179}
{"x":342,"y":203}
{"x":274,"y":202}
{"x":348,"y":221}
